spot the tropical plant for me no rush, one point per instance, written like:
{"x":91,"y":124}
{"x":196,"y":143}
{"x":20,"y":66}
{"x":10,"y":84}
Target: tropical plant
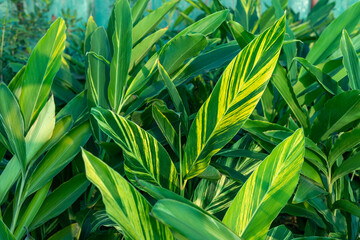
{"x":240,"y":124}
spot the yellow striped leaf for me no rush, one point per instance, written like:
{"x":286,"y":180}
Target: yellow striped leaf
{"x":123,"y":203}
{"x":145,"y":158}
{"x":233,"y":99}
{"x":267,"y":190}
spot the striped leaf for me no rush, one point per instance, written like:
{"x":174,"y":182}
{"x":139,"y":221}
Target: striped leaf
{"x":145,"y":158}
{"x":122,"y":43}
{"x":43,"y":64}
{"x":232,"y":100}
{"x":123,"y":203}
{"x":267,"y":190}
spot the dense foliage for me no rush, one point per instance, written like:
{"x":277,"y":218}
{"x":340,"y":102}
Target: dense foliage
{"x":233,"y":125}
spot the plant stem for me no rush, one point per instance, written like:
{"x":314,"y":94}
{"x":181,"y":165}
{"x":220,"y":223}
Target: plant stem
{"x":18,"y":203}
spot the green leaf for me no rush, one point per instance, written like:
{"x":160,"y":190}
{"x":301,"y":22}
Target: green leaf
{"x":325,"y":81}
{"x":12,"y":120}
{"x":329,"y":40}
{"x":190,"y":222}
{"x":16,"y":83}
{"x":42,"y":66}
{"x":58,"y":157}
{"x":175,"y":96}
{"x":351,"y":60}
{"x":346,"y":205}
{"x":5,"y":232}
{"x":167,"y":129}
{"x":90,"y":28}
{"x":41,"y":131}
{"x":76,"y":108}
{"x":345,"y":142}
{"x":242,"y":36}
{"x":12,"y":170}
{"x":205,"y":26}
{"x":233,"y":99}
{"x":67,"y":233}
{"x":145,"y":158}
{"x":138,"y":10}
{"x":31,"y":210}
{"x":308,"y":189}
{"x":349,"y":165}
{"x":267,"y":190}
{"x":122,"y":43}
{"x":123,"y":203}
{"x":140,"y":51}
{"x":279,"y":233}
{"x":96,"y":80}
{"x":180,"y":49}
{"x":60,"y":199}
{"x":149,"y":23}
{"x":337,"y":113}
{"x":210,"y":173}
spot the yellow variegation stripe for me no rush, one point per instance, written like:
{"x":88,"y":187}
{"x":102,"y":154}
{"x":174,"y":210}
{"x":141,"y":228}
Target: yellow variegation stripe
{"x":267,"y":190}
{"x":123,"y":203}
{"x":145,"y":158}
{"x":233,"y":99}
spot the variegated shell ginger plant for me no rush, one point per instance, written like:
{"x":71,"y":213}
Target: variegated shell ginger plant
{"x":149,"y":168}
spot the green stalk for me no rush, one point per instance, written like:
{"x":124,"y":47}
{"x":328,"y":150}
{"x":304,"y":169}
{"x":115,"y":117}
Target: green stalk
{"x":18,"y":203}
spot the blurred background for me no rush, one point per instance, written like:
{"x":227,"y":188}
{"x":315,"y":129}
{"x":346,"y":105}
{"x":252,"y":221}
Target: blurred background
{"x":100,"y":9}
{"x":23,"y":22}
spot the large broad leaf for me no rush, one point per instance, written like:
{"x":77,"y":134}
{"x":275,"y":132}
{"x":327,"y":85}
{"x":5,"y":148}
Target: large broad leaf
{"x":267,"y":190}
{"x":12,"y":121}
{"x":43,"y":64}
{"x":145,"y":158}
{"x":232,"y":100}
{"x":351,"y":60}
{"x":123,"y":203}
{"x":122,"y":43}
{"x":190,"y":222}
{"x":337,"y":113}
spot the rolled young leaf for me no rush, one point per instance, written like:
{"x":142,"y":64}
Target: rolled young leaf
{"x":267,"y":190}
{"x":123,"y":203}
{"x":233,"y":99}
